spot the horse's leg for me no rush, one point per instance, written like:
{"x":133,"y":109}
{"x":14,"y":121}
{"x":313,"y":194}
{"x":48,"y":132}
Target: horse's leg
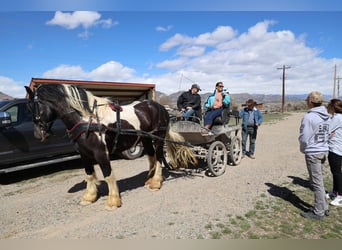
{"x":154,"y":178}
{"x":90,"y":194}
{"x":102,"y":157}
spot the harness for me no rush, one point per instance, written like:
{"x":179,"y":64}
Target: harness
{"x":82,"y":127}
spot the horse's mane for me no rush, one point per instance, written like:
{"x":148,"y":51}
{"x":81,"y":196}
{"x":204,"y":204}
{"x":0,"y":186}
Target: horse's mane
{"x":83,"y":100}
{"x":76,"y":97}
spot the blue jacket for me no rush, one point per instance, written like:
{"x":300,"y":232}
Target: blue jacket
{"x":210,"y":100}
{"x":244,"y":114}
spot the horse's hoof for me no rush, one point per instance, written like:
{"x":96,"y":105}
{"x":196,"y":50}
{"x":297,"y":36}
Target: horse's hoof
{"x":85,"y":203}
{"x":113,"y":203}
{"x":110,"y":208}
{"x":154,"y":186}
{"x":148,"y":182}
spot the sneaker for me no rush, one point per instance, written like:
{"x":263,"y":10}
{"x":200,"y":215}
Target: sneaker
{"x":331,"y":195}
{"x":337,"y":201}
{"x":312,"y":215}
{"x":326,"y":212}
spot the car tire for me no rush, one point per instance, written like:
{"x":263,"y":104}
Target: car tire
{"x":133,"y":153}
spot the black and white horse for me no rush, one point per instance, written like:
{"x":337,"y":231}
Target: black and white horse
{"x":99,"y":128}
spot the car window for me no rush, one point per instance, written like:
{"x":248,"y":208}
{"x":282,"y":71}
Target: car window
{"x":13,"y":112}
{"x":27,"y":115}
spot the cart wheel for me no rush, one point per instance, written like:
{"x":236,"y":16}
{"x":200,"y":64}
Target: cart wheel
{"x":235,"y":151}
{"x":217,"y":158}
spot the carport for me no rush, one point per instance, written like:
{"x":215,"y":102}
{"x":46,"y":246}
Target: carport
{"x":121,"y":92}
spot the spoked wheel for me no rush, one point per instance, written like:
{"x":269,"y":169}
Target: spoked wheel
{"x":235,"y":152}
{"x":217,"y":158}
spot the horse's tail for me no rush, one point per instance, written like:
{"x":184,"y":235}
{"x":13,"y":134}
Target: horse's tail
{"x":180,"y":156}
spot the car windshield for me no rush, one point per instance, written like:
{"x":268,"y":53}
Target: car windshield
{"x":4,"y":102}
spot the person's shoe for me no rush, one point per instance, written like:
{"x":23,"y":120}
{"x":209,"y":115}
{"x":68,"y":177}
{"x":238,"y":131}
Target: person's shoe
{"x":337,"y":201}
{"x":331,"y":195}
{"x":312,"y":215}
{"x":327,"y":212}
{"x":251,"y":156}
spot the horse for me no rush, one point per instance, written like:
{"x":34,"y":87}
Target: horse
{"x":100,"y":128}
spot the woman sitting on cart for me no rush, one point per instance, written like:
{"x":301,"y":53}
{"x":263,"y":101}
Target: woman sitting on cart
{"x":215,"y":104}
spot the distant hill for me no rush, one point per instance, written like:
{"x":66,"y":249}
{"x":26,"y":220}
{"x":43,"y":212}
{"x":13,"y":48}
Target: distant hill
{"x":236,"y":98}
{"x":5,"y":97}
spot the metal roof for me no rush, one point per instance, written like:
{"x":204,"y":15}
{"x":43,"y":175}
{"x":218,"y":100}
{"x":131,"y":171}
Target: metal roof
{"x":118,"y":91}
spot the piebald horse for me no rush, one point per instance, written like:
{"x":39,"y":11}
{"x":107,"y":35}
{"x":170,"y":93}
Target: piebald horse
{"x":100,"y":128}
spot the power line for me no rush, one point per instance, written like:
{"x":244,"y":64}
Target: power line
{"x":283,"y":89}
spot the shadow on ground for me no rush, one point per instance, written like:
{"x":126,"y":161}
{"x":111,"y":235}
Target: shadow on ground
{"x":288,"y":196}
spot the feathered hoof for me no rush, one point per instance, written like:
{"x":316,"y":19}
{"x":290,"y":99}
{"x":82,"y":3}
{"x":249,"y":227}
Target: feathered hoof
{"x":113,"y":203}
{"x":85,"y":202}
{"x":153,"y":185}
{"x":88,"y":198}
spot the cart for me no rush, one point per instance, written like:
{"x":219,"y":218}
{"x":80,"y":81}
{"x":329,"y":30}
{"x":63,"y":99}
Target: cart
{"x":218,"y":147}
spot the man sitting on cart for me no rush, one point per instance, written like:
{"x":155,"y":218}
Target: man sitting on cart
{"x":189,"y":103}
{"x":215,"y":104}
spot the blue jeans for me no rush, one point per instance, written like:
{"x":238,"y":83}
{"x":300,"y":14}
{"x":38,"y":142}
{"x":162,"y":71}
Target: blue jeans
{"x":315,"y":165}
{"x":250,"y":132}
{"x":187,"y":114}
{"x":211,"y":115}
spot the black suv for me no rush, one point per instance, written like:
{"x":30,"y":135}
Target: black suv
{"x":19,"y":149}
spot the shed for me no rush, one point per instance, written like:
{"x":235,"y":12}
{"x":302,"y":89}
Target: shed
{"x":121,"y":92}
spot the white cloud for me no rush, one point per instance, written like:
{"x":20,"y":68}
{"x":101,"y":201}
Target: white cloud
{"x":75,"y":19}
{"x":164,"y":29}
{"x":85,"y":19}
{"x":110,"y":71}
{"x":245,"y":62}
{"x":12,"y":88}
{"x":66,"y":72}
{"x":248,"y":62}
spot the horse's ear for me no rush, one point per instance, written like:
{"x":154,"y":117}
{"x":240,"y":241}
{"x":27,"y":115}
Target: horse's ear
{"x":29,"y":92}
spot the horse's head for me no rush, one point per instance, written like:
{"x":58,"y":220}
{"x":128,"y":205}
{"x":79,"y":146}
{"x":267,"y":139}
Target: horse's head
{"x":42,"y":115}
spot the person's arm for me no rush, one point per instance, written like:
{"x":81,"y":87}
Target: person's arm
{"x":226,"y":100}
{"x":259,"y":117}
{"x":180,"y":101}
{"x":305,"y":132}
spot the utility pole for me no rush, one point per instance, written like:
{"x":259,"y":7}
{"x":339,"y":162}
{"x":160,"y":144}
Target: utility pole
{"x":334,"y":90}
{"x":338,"y":86}
{"x":283,"y":89}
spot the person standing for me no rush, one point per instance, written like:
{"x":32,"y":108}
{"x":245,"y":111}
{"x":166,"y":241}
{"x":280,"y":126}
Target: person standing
{"x":313,"y":141}
{"x":215,"y":104}
{"x":335,"y":151}
{"x":189,"y":103}
{"x":251,"y":120}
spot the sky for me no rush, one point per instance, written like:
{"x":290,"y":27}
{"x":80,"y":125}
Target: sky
{"x":174,"y":44}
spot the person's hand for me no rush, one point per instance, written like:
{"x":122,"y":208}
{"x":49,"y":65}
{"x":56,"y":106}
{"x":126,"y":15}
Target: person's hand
{"x":188,"y":108}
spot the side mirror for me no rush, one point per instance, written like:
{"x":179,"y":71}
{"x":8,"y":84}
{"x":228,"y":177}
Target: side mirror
{"x":5,"y":119}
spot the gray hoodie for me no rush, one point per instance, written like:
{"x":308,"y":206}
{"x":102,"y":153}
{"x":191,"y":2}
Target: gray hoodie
{"x":314,"y":131}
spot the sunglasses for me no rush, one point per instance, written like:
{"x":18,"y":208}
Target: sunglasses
{"x":220,"y":86}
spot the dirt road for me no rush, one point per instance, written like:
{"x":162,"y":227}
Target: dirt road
{"x":47,"y":207}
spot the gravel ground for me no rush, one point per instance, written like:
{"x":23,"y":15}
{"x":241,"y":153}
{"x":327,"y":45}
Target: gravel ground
{"x":47,"y":207}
